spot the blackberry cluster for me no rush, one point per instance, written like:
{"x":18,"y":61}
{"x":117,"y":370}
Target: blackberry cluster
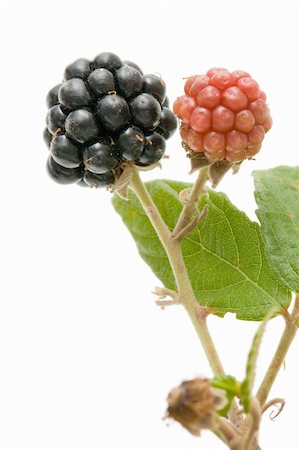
{"x":224,"y":115}
{"x":106,"y":114}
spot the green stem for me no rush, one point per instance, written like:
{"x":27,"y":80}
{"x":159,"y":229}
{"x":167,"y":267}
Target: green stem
{"x":226,"y":432}
{"x":185,"y":291}
{"x":191,"y":203}
{"x":280,"y":354}
{"x":173,"y":249}
{"x":250,"y":436}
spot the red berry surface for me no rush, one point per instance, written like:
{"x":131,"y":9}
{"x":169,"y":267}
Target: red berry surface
{"x":223,"y":115}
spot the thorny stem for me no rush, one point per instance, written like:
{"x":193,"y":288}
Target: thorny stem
{"x":185,"y":291}
{"x":280,"y":354}
{"x":201,"y":314}
{"x":186,"y":296}
{"x":172,"y":245}
{"x":276,"y":363}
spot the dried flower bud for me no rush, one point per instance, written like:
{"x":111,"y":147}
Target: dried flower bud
{"x":194,"y":403}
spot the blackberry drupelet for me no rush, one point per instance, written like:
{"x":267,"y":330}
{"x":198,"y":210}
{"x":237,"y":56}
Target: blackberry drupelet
{"x":131,"y":143}
{"x":61,"y":174}
{"x":99,"y":158}
{"x":104,"y":116}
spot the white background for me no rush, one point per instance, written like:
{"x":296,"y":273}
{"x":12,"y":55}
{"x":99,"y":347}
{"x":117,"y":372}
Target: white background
{"x":87,"y":359}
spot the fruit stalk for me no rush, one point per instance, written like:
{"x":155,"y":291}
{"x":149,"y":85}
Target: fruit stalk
{"x":185,"y":291}
{"x":190,"y":206}
{"x":250,"y":436}
{"x":287,"y":337}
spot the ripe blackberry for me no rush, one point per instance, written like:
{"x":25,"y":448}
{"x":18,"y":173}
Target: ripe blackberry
{"x":65,"y":152}
{"x":100,"y":158}
{"x":52,"y":96}
{"x":167,"y":124}
{"x":224,"y":115}
{"x":153,"y":150}
{"x":74,"y":93}
{"x":101,"y":82}
{"x":131,"y":143}
{"x":146,"y":111}
{"x":108,"y":60}
{"x":166,"y":102}
{"x":129,"y":81}
{"x":81,"y":126}
{"x":78,"y":69}
{"x":98,"y":179}
{"x":61,"y":174}
{"x":47,"y":137}
{"x":130,"y":63}
{"x":154,"y":85}
{"x":113,"y":112}
{"x":105,"y":116}
{"x":55,"y":119}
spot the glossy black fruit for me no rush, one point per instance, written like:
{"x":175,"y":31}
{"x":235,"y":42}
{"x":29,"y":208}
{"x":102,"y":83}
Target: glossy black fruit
{"x":113,"y":112}
{"x":98,"y":180}
{"x":146,"y":111}
{"x":166,"y":103}
{"x":101,"y":82}
{"x":131,"y":143}
{"x":78,"y":69}
{"x":154,"y":85}
{"x":153,"y":151}
{"x":52,"y":96}
{"x":65,"y":152}
{"x":129,"y":81}
{"x":47,"y":137}
{"x":105,"y":116}
{"x":82,"y":183}
{"x":107,"y":60}
{"x":167,"y":124}
{"x":63,"y":175}
{"x":81,"y":126}
{"x":55,"y":119}
{"x":100,"y":158}
{"x":73,"y":93}
{"x":130,"y":63}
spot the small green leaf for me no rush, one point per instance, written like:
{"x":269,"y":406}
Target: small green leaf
{"x":247,"y":384}
{"x":231,"y":387}
{"x":227,"y":383}
{"x":278,"y":211}
{"x":224,"y":255}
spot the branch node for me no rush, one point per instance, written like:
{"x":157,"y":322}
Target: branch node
{"x":191,"y":225}
{"x":189,"y":198}
{"x":184,"y":196}
{"x":163,"y":293}
{"x":202,"y":313}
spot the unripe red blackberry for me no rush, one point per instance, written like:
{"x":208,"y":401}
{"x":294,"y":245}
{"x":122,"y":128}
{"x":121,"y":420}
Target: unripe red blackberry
{"x":224,"y":115}
{"x":105,"y":116}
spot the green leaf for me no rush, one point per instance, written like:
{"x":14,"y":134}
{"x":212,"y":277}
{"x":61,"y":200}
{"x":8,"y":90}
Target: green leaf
{"x":278,"y":211}
{"x":224,"y":255}
{"x":227,"y":383}
{"x":231,"y":386}
{"x":247,"y":384}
